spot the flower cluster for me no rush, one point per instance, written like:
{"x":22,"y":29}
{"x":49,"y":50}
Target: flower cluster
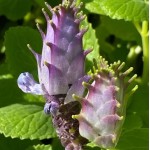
{"x":103,"y":108}
{"x":61,"y":75}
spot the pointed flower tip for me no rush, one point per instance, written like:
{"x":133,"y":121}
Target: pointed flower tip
{"x":49,"y":44}
{"x":132,"y":78}
{"x":46,"y":63}
{"x":127,"y":72}
{"x":86,"y":52}
{"x":121,"y":66}
{"x":95,"y":76}
{"x":117,"y":88}
{"x":133,"y":90}
{"x":43,"y":10}
{"x":75,"y":116}
{"x":120,"y":118}
{"x":87,"y":85}
{"x":77,"y":98}
{"x":114,"y":139}
{"x":31,"y":49}
{"x":118,"y":105}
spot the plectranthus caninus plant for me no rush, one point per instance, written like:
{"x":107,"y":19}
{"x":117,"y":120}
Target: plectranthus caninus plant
{"x":61,"y":74}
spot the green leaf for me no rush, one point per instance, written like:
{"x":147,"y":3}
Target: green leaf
{"x":112,"y":48}
{"x":120,"y":28}
{"x":10,"y":93}
{"x":139,"y":103}
{"x":90,"y":41}
{"x":15,"y":9}
{"x":56,"y":144}
{"x":19,"y":58}
{"x":3,"y":69}
{"x":134,"y":140}
{"x":42,"y":147}
{"x":15,"y":144}
{"x":132,"y":121}
{"x":133,"y":10}
{"x":93,"y":6}
{"x":25,"y":121}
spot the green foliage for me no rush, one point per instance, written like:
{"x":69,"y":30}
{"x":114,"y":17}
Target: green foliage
{"x":90,"y":41}
{"x":13,"y":144}
{"x":111,"y":34}
{"x":23,"y":121}
{"x":42,"y":147}
{"x":14,"y":95}
{"x":16,"y":40}
{"x":140,"y":104}
{"x":133,"y":10}
{"x":136,"y":139}
{"x":132,"y":121}
{"x":15,"y":9}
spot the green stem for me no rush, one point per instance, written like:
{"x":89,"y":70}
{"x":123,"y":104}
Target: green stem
{"x":145,"y":44}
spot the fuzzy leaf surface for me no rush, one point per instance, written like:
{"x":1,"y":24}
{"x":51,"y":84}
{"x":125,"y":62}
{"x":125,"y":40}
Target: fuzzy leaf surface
{"x":130,"y":10}
{"x":25,"y":122}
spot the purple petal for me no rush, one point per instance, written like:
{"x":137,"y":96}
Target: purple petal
{"x":58,"y":58}
{"x":76,"y":69}
{"x":53,"y":80}
{"x":77,"y":88}
{"x":28,"y":85}
{"x":67,"y":29}
{"x":84,"y":127}
{"x":105,"y":141}
{"x":74,"y":48}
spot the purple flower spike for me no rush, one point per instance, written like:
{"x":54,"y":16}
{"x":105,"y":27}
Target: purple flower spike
{"x":103,"y":108}
{"x":62,"y":60}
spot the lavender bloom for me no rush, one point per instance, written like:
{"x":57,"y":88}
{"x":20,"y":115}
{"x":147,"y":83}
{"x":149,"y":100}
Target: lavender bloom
{"x":103,"y":109}
{"x":62,"y":60}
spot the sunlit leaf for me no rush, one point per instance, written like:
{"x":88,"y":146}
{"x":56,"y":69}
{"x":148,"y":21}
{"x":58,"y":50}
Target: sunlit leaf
{"x":25,"y":122}
{"x":133,"y":10}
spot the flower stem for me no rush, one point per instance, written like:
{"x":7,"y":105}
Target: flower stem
{"x":145,"y":44}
